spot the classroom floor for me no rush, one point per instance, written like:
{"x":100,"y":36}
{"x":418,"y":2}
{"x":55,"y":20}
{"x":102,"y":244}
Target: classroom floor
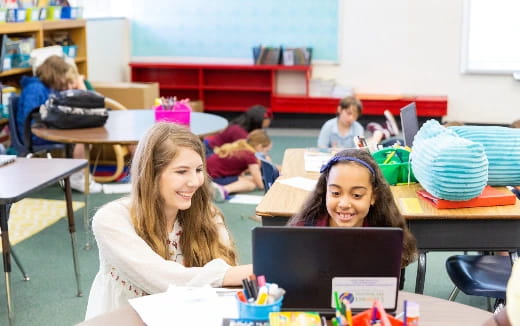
{"x":49,"y":297}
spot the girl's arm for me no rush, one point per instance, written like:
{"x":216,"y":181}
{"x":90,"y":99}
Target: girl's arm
{"x":254,"y":169}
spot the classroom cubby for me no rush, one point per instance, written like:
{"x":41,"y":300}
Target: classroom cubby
{"x":226,"y":87}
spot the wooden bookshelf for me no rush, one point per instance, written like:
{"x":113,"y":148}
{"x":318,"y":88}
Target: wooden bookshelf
{"x":39,"y":30}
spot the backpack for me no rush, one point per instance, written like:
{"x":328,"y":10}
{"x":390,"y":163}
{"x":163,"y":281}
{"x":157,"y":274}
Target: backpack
{"x":73,"y":109}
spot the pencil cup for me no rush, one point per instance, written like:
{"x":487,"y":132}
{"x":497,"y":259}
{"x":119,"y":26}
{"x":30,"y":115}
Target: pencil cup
{"x":180,"y":114}
{"x":257,"y":311}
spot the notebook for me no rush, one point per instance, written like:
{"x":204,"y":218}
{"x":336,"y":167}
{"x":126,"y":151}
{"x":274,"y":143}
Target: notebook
{"x":6,"y":159}
{"x":309,"y":262}
{"x":489,"y":197}
{"x":409,"y":123}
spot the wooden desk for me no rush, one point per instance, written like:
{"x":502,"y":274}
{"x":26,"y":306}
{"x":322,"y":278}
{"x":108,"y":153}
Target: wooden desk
{"x":480,"y":228}
{"x":18,"y":180}
{"x":122,"y":127}
{"x":434,"y":312}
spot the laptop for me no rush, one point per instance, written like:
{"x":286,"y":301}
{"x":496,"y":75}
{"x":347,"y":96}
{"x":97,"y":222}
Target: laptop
{"x":310,"y":263}
{"x":409,"y":123}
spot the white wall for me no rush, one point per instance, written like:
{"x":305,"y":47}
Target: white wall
{"x":108,"y":49}
{"x":387,"y":47}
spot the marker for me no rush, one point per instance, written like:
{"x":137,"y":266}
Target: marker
{"x":261,"y":280}
{"x":404,"y":312}
{"x":389,"y":157}
{"x":349,"y":312}
{"x":241,"y":296}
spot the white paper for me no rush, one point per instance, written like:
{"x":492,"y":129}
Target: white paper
{"x":117,"y":188}
{"x":187,"y":306}
{"x":314,"y":160}
{"x":300,"y":183}
{"x":245,"y":199}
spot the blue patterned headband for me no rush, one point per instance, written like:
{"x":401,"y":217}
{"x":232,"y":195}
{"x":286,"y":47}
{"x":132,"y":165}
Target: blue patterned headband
{"x":337,"y":159}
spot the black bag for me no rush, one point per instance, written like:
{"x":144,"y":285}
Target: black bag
{"x":73,"y":109}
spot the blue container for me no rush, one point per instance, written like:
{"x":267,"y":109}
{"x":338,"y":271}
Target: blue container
{"x":257,"y":312}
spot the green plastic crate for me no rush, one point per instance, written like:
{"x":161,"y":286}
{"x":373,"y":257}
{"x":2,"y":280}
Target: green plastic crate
{"x":396,"y":169}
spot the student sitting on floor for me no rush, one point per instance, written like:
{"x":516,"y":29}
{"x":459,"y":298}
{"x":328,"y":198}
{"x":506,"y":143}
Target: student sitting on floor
{"x":340,"y":131}
{"x":167,"y":232}
{"x":352,"y":192}
{"x":256,"y":117}
{"x":230,"y":163}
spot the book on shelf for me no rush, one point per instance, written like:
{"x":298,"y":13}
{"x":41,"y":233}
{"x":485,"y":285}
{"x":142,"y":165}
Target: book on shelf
{"x":297,"y":56}
{"x":489,"y":197}
{"x":267,"y":55}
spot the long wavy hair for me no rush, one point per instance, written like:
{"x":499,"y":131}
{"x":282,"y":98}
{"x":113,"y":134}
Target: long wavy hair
{"x":255,"y":138}
{"x":199,"y":241}
{"x":384,"y":212}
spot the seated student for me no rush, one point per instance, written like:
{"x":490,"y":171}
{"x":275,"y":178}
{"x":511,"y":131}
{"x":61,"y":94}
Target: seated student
{"x":230,"y":163}
{"x":352,"y":192}
{"x":167,"y":232}
{"x":52,"y":76}
{"x":256,"y":117}
{"x":510,"y":315}
{"x":341,"y":130}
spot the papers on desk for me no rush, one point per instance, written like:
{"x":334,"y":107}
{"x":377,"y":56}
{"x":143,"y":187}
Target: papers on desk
{"x":314,"y":159}
{"x":6,"y":159}
{"x":187,"y":306}
{"x":300,"y":183}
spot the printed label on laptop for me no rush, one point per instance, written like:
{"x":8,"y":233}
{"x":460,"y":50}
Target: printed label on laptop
{"x":362,"y":291}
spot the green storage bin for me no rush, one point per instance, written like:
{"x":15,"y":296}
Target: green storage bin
{"x":396,"y":169}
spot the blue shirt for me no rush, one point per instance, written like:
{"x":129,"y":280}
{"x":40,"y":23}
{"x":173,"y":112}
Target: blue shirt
{"x":330,"y":137}
{"x":34,"y":93}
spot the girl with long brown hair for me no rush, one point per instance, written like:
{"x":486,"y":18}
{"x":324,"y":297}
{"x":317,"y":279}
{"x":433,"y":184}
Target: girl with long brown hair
{"x":167,"y":232}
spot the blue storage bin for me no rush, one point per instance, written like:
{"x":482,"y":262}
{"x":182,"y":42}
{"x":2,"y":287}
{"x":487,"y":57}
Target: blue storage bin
{"x":70,"y":12}
{"x":16,"y":15}
{"x":257,"y":312}
{"x":70,"y":50}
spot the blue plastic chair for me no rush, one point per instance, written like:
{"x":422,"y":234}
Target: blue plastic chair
{"x":269,"y":173}
{"x":480,"y":275}
{"x":24,"y":147}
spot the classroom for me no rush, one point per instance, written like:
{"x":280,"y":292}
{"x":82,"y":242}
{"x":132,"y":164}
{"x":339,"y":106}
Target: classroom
{"x":445,"y":58}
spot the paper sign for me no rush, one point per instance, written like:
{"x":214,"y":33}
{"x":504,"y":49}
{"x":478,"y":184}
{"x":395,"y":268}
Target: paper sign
{"x":362,"y":291}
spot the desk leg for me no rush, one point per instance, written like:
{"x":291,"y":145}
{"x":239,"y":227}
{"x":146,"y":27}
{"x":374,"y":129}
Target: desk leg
{"x":421,"y":272}
{"x":72,"y":231}
{"x":6,"y":255}
{"x":86,"y":213}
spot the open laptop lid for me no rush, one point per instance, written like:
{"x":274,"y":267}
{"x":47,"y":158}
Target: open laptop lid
{"x":409,"y":123}
{"x":310,"y":263}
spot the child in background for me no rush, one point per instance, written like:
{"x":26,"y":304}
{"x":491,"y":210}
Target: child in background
{"x":231,"y":161}
{"x":52,"y":76}
{"x":352,"y":192}
{"x":340,"y":131}
{"x":256,"y":117}
{"x":167,"y":232}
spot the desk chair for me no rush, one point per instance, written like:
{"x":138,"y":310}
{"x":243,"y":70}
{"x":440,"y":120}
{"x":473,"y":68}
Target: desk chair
{"x":24,"y":147}
{"x":480,"y":275}
{"x":120,"y":151}
{"x":269,"y":173}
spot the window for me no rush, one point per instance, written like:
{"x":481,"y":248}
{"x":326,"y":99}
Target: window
{"x":490,"y":37}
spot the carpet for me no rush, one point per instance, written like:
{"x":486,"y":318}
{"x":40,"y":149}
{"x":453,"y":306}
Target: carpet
{"x":31,"y":215}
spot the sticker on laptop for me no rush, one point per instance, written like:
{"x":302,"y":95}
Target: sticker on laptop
{"x":362,"y":291}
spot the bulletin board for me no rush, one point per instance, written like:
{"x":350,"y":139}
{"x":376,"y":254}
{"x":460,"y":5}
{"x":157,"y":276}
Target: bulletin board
{"x":230,"y":28}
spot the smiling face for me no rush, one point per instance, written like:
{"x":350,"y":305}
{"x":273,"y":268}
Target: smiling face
{"x":180,"y":179}
{"x":349,"y":194}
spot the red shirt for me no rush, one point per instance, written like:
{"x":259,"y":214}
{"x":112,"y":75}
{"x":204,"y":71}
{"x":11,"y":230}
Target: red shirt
{"x":228,"y":135}
{"x":232,"y":165}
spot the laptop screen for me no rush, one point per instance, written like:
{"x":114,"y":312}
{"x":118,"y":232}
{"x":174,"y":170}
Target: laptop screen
{"x":409,"y":123}
{"x":310,"y":263}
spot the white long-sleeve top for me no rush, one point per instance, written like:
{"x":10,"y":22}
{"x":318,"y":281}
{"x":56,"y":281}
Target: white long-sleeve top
{"x":129,"y":268}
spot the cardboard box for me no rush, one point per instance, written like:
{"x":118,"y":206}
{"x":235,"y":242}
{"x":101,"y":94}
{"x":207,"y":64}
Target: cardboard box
{"x":131,"y":95}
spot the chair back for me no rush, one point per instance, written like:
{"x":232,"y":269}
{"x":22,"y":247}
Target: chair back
{"x":269,"y":173}
{"x":16,"y":140}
